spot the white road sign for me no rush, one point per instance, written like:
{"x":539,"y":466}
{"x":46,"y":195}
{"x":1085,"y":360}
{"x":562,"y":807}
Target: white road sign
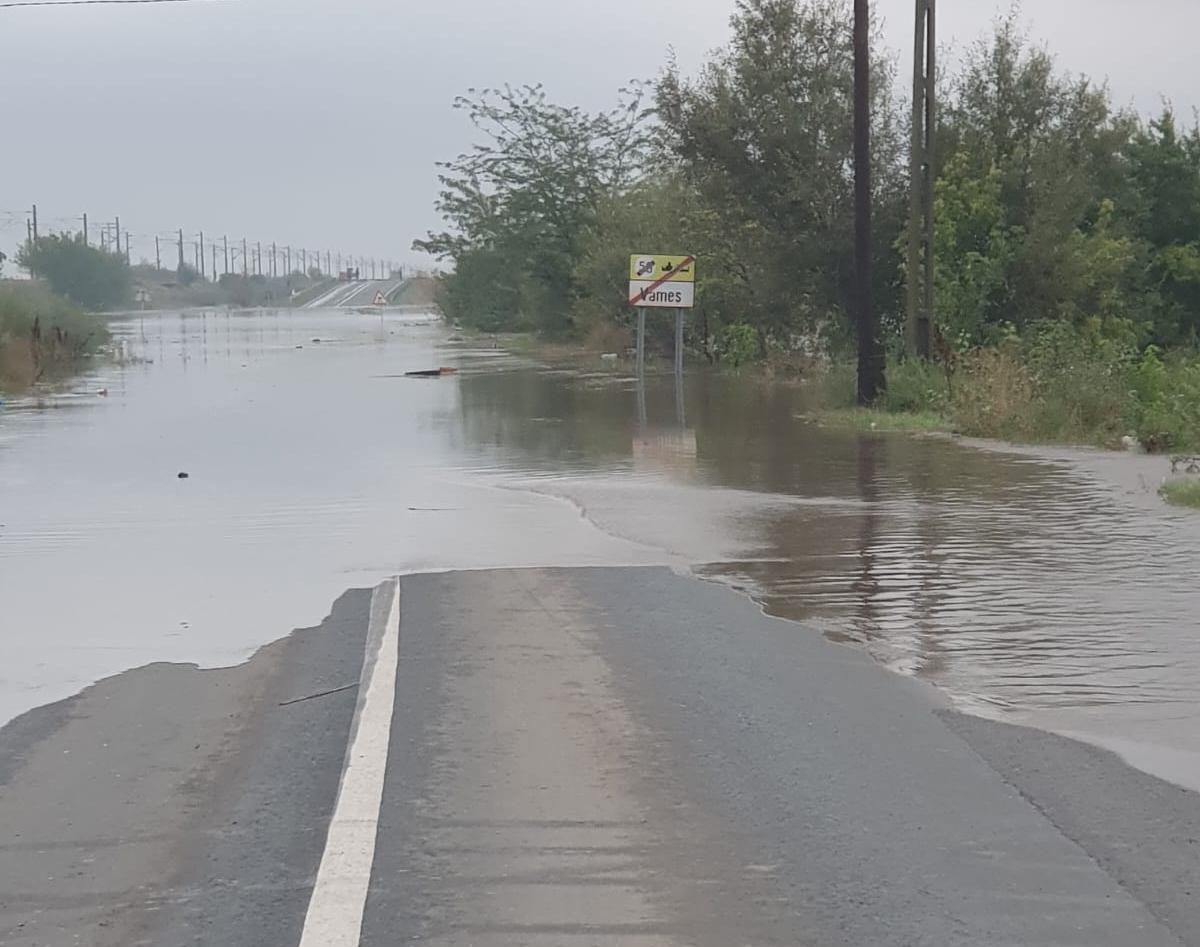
{"x":653,"y":294}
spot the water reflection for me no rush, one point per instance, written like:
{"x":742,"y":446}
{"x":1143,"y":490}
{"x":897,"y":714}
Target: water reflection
{"x":314,"y":466}
{"x":1021,"y":586}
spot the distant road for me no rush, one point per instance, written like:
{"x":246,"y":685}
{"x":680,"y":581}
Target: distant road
{"x":353,"y":294}
{"x":607,"y":757}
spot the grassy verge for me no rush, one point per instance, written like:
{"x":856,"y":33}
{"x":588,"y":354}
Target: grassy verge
{"x":1061,"y":386}
{"x":1182,"y":493}
{"x":42,"y":336}
{"x":417,"y":291}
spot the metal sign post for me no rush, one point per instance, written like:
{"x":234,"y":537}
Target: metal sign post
{"x":679,"y":342}
{"x":641,"y":341}
{"x":680,"y":414}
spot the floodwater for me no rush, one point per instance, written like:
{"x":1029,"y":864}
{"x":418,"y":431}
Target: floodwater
{"x":1048,"y":589}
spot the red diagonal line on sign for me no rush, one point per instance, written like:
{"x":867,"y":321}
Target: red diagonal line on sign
{"x":688,"y":261}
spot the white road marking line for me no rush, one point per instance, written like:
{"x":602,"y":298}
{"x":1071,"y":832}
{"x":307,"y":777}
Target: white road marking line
{"x":323,"y":299}
{"x":335,"y":911}
{"x":336,"y":297}
{"x":349,"y":292}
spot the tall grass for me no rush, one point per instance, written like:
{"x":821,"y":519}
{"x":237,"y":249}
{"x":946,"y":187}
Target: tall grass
{"x":1057,"y":385}
{"x":42,"y":335}
{"x":1182,"y":493}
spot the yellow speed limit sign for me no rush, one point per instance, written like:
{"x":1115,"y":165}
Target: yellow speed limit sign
{"x":648,"y":267}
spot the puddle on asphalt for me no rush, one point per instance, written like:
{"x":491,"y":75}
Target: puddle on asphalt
{"x":1035,"y":590}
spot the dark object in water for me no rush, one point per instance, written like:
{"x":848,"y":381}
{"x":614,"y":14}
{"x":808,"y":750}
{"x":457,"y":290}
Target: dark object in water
{"x":431,"y":373}
{"x":183,"y":475}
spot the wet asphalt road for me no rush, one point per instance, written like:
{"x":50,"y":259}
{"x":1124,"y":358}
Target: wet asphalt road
{"x":592,"y":756}
{"x":354,"y":293}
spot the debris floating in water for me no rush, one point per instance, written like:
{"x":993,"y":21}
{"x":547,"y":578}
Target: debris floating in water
{"x":431,"y":372}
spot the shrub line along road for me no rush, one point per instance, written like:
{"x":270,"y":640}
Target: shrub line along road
{"x":549,"y":757}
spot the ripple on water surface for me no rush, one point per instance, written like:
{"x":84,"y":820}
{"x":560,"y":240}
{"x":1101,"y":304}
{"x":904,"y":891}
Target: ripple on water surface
{"x":1025,"y":587}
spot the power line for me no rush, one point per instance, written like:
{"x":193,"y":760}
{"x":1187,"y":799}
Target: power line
{"x":7,"y":4}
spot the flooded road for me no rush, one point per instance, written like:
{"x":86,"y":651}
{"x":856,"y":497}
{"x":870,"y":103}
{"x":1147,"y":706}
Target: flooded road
{"x":1031,"y":588}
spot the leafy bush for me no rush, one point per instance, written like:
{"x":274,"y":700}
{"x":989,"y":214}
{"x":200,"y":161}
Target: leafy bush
{"x":1085,"y":385}
{"x":915,"y":386}
{"x":41,"y":333}
{"x":91,"y":278}
{"x":738,"y":345}
{"x":1165,"y":413}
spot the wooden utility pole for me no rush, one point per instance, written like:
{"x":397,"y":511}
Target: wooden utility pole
{"x":214,"y":263}
{"x":180,"y":248}
{"x":245,"y":262}
{"x":35,"y":225}
{"x":85,"y":230}
{"x":201,"y":248}
{"x":920,"y":216}
{"x":931,"y":119}
{"x":225,"y":241}
{"x":870,"y":353}
{"x":157,"y":254}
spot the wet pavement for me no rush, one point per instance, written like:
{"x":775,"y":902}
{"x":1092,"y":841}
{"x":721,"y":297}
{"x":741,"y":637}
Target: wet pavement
{"x":1045,"y":588}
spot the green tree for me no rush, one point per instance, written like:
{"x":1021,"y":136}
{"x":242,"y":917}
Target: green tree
{"x":1035,"y":165}
{"x":974,"y":249}
{"x":1165,"y":172}
{"x":89,"y":277}
{"x":519,"y":201}
{"x":765,"y":133}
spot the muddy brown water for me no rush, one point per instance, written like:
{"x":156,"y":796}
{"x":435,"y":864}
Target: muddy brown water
{"x":1038,"y":587}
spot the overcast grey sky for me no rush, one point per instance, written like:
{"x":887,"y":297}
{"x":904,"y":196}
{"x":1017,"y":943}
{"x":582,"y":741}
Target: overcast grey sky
{"x":317,"y":122}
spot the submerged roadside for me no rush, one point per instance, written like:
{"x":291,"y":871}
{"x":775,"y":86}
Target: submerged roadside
{"x":1084,"y":396}
{"x":43,"y":336}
